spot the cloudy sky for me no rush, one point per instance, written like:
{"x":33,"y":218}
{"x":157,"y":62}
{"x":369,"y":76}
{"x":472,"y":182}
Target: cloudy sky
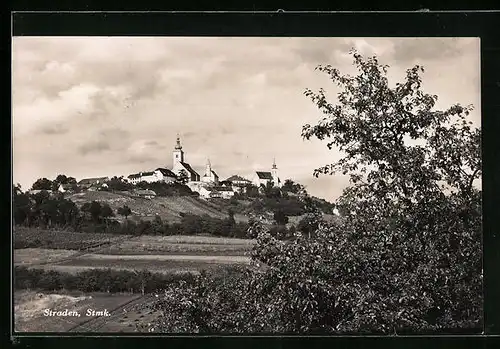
{"x":103,"y":106}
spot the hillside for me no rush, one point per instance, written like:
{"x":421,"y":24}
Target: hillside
{"x":168,"y":208}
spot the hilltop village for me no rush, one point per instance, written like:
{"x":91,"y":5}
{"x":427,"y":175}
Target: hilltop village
{"x":208,"y":185}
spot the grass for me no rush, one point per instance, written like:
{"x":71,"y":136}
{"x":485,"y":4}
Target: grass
{"x":132,"y":247}
{"x":59,"y":239}
{"x":164,"y":254}
{"x":164,"y":265}
{"x":29,"y":256}
{"x":168,"y":208}
{"x":165,"y":258}
{"x":193,"y":239}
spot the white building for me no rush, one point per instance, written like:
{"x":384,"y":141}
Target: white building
{"x":263,"y":177}
{"x":210,"y":176}
{"x":158,"y":175}
{"x":238,"y":183}
{"x":212,"y":192}
{"x":92,"y":183}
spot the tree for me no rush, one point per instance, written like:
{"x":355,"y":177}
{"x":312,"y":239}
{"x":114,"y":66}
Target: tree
{"x":42,"y":184}
{"x":292,"y":187}
{"x":21,"y":206}
{"x":124,"y":211}
{"x":106,"y":211}
{"x":280,"y":217}
{"x":183,"y":177}
{"x":308,"y":225}
{"x":251,"y":190}
{"x":94,"y":209}
{"x":118,"y":184}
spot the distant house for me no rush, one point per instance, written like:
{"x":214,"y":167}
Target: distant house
{"x":92,"y":183}
{"x":224,"y":192}
{"x":147,"y":194}
{"x":64,"y":188}
{"x":134,"y":178}
{"x":158,"y":175}
{"x":262,"y":178}
{"x":165,"y":175}
{"x":216,"y":192}
{"x":238,"y":183}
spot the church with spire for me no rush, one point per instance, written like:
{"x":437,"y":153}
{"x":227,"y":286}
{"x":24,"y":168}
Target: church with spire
{"x":265,"y":177}
{"x":210,"y":176}
{"x":208,"y":185}
{"x":180,"y":165}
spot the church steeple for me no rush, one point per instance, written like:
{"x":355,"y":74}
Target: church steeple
{"x":208,"y":170}
{"x":178,"y":154}
{"x":274,"y":173}
{"x":178,"y":145}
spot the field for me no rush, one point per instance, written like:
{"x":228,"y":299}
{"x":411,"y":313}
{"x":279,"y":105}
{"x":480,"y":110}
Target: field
{"x":37,"y":256}
{"x":165,"y":254}
{"x":56,"y":239}
{"x":160,"y":254}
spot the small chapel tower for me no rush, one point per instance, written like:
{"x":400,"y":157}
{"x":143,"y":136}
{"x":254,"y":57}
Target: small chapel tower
{"x":210,"y":176}
{"x":274,"y":174}
{"x":178,"y":154}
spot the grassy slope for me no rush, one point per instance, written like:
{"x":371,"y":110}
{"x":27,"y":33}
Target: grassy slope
{"x":168,"y":208}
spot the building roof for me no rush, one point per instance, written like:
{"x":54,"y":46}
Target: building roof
{"x":145,"y":192}
{"x":236,"y":178}
{"x":264,"y":175}
{"x":215,"y":174}
{"x":166,"y":172}
{"x":149,"y":173}
{"x":93,"y":180}
{"x":189,"y":169}
{"x":222,"y":189}
{"x":135,"y":175}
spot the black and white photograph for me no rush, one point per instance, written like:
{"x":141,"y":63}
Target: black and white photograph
{"x":246,"y":185}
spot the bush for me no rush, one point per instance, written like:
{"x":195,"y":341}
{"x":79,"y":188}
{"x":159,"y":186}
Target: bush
{"x":96,"y":280}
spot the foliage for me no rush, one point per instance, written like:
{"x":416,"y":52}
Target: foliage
{"x":280,"y":217}
{"x":118,"y":184}
{"x":290,"y":186}
{"x":42,"y":184}
{"x":25,"y":237}
{"x":97,"y":280}
{"x":124,"y":211}
{"x":166,"y":189}
{"x":183,"y":177}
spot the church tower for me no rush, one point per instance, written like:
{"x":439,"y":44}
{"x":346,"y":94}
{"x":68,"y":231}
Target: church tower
{"x":178,"y":154}
{"x":274,"y":173}
{"x":208,"y":169}
{"x":207,"y":177}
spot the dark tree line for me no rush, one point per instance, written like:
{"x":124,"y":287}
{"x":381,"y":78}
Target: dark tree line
{"x":96,"y":280}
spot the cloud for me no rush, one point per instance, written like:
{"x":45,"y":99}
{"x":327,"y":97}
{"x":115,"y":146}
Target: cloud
{"x":93,"y":147}
{"x":55,"y":129}
{"x":120,"y":102}
{"x":418,"y":49}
